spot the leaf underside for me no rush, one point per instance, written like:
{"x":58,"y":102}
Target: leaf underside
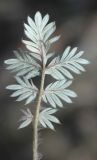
{"x":46,"y":118}
{"x":26,"y":119}
{"x":61,"y":68}
{"x":23,"y":90}
{"x":23,"y":65}
{"x":57,"y":91}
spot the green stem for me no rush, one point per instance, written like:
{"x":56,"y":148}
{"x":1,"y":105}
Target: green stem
{"x":36,"y":117}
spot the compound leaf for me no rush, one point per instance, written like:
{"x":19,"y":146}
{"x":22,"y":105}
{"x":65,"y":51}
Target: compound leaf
{"x":24,"y":90}
{"x":70,"y":61}
{"x":23,"y":65}
{"x":39,"y":31}
{"x":56,"y":91}
{"x":26,"y":119}
{"x":46,"y":118}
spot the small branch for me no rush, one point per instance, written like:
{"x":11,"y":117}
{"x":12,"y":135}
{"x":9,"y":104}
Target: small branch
{"x":36,"y":117}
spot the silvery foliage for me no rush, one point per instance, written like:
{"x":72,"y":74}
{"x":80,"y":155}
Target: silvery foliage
{"x":46,"y":118}
{"x":24,"y":90}
{"x":23,"y":64}
{"x":26,"y":119}
{"x":70,"y":61}
{"x":56,"y":91}
{"x":28,"y":64}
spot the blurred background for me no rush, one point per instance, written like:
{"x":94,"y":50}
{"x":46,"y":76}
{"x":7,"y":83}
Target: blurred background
{"x":76,"y":138}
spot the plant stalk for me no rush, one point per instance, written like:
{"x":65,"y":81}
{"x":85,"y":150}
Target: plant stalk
{"x":36,"y":117}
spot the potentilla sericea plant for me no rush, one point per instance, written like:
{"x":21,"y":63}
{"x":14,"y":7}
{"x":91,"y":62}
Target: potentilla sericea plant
{"x":36,"y":60}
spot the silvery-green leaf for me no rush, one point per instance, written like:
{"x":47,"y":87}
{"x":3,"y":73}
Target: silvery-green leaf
{"x":57,"y":75}
{"x":24,"y":96}
{"x":19,"y":92}
{"x":46,"y":118}
{"x":51,"y":111}
{"x":13,"y":66}
{"x":44,"y":21}
{"x":44,"y":99}
{"x":82,"y":61}
{"x":25,"y":123}
{"x":14,"y":87}
{"x":30,"y":36}
{"x":50,"y":99}
{"x":65,"y":53}
{"x":49,"y":27}
{"x":78,"y":55}
{"x":65,"y":72}
{"x":11,"y":61}
{"x":38,"y":31}
{"x":32,"y":24}
{"x":54,"y":39}
{"x":57,"y":100}
{"x":30,"y":30}
{"x":81,"y":68}
{"x":49,"y":55}
{"x":49,"y":33}
{"x":71,"y":54}
{"x":48,"y":123}
{"x":38,"y":19}
{"x":67,"y":83}
{"x":30,"y":43}
{"x":36,"y":56}
{"x":34,"y":73}
{"x":24,"y":64}
{"x":53,"y":119}
{"x":30,"y":99}
{"x":42,"y":122}
{"x":73,"y":68}
{"x":69,"y":62}
{"x":64,"y":97}
{"x":70,"y":93}
{"x":26,"y":119}
{"x":24,"y":71}
{"x":24,"y":90}
{"x":32,"y":49}
{"x":20,"y":81}
{"x":56,"y":91}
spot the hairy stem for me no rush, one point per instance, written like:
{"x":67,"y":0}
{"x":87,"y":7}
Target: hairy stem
{"x":36,"y":117}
